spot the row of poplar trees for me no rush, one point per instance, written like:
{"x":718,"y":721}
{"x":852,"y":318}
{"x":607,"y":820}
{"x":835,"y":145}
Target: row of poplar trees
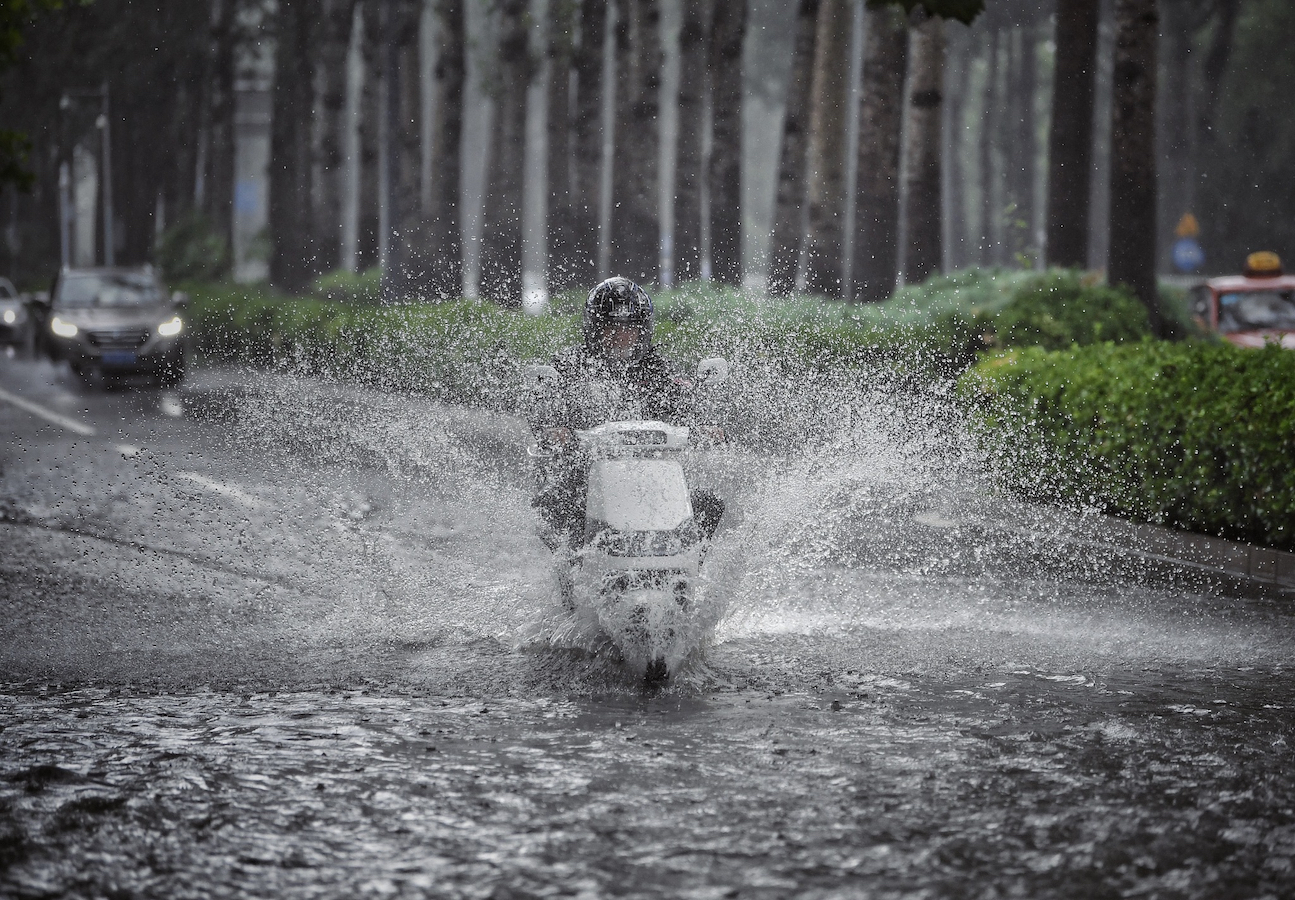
{"x":176,"y":92}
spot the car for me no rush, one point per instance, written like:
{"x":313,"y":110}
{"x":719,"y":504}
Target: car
{"x":15,"y":322}
{"x":114,"y":322}
{"x":1251,"y":309}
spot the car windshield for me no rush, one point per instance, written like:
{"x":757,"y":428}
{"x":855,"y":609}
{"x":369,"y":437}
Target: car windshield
{"x":6,"y":290}
{"x":113,"y":289}
{"x":1257,"y":309}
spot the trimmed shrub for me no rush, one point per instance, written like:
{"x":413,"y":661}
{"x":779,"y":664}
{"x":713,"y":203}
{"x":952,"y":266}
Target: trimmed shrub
{"x":1192,"y":435}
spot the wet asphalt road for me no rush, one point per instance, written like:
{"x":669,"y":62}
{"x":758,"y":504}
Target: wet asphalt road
{"x":267,"y":636}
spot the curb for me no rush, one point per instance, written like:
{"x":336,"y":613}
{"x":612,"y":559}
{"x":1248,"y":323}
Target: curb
{"x":1239,"y":560}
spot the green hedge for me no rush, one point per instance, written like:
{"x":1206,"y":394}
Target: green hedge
{"x":928,"y":331}
{"x":1192,"y":435}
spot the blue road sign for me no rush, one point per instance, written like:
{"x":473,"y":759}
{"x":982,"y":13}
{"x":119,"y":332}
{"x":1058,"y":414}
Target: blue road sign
{"x":1188,"y":255}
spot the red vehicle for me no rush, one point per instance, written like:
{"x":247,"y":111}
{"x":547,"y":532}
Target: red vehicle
{"x":1253,"y":309}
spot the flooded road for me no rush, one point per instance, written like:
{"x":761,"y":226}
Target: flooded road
{"x":266,"y":636}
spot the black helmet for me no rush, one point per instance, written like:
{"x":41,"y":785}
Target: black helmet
{"x":618,"y":301}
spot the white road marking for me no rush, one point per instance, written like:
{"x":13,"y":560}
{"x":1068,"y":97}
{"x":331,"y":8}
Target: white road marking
{"x":127,"y":450}
{"x":47,"y":415}
{"x":224,"y":490}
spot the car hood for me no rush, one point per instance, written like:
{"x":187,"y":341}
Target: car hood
{"x":131,"y":317}
{"x":1260,"y":338}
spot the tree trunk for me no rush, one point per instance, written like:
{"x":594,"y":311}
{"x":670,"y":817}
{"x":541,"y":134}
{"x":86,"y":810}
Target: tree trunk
{"x":501,"y":243}
{"x":690,"y":174}
{"x":371,"y":211}
{"x":289,"y":226}
{"x":789,"y":208}
{"x":876,"y":237}
{"x":923,"y":242}
{"x":1070,"y":142}
{"x":826,"y":169}
{"x":636,"y":221}
{"x":1174,"y":127}
{"x":535,"y":160}
{"x":724,"y":178}
{"x":576,"y":261}
{"x":561,"y":140}
{"x":444,"y":264}
{"x":953,"y":133}
{"x":1133,"y":156}
{"x":1023,"y":149}
{"x":405,"y":276}
{"x":334,"y":37}
{"x":220,"y":172}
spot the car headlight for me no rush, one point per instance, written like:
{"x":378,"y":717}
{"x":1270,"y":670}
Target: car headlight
{"x":61,"y":328}
{"x":170,"y":328}
{"x":10,"y":317}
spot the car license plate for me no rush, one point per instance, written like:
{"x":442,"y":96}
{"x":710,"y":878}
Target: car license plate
{"x":119,"y":358}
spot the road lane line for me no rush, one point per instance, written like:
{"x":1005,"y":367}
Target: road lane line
{"x":219,"y":487}
{"x":47,"y":415}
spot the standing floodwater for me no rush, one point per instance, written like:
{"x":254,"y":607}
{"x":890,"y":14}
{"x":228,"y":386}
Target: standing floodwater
{"x":279,"y":638}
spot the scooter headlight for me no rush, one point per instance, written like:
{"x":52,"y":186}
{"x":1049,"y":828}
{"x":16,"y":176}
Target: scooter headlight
{"x":61,"y":328}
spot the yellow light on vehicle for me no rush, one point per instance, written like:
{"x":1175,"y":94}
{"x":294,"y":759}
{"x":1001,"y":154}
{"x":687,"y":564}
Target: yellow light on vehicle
{"x":10,"y":317}
{"x":1264,"y":264}
{"x":171,"y":328}
{"x":61,"y":328}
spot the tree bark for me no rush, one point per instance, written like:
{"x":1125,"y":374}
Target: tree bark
{"x":881,"y":108}
{"x":826,"y":169}
{"x":1070,"y":142}
{"x":1133,"y":156}
{"x":574,"y":261}
{"x":290,"y":233}
{"x":789,"y":208}
{"x":724,"y":175}
{"x":636,"y":222}
{"x":690,"y":173}
{"x":923,"y":243}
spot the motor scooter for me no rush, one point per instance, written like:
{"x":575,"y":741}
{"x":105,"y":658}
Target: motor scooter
{"x":634,"y":569}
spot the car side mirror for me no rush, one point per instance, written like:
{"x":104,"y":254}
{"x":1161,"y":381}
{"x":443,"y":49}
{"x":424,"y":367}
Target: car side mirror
{"x":712,"y":371}
{"x":179,"y":298}
{"x":539,"y":377}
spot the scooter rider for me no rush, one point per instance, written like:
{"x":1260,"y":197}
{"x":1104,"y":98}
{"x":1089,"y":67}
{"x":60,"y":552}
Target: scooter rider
{"x":615,"y":374}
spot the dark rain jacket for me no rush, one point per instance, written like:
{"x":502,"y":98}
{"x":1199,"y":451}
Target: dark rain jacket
{"x":591,"y":392}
